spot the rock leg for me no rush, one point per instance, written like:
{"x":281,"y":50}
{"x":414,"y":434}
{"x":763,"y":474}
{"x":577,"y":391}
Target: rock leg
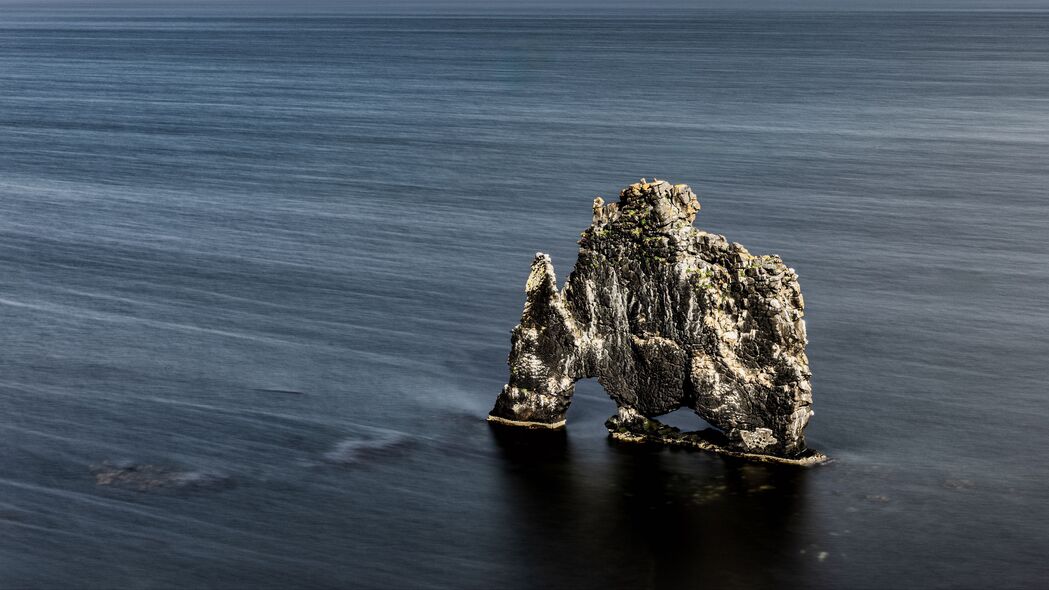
{"x":545,"y":356}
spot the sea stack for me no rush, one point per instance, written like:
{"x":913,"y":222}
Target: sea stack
{"x":666,"y":316}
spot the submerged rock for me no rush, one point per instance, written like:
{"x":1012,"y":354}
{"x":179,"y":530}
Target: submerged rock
{"x":666,"y":316}
{"x":147,"y":477}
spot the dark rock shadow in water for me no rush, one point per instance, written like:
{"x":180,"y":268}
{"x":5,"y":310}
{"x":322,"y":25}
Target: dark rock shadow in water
{"x":647,"y":516}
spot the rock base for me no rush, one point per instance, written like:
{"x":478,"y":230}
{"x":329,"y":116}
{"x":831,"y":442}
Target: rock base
{"x":646,"y":430}
{"x":526,"y":423}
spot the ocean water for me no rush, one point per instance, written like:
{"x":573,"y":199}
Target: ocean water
{"x":257,"y":278}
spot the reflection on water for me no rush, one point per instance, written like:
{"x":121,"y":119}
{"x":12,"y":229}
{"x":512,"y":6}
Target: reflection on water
{"x":644,"y":521}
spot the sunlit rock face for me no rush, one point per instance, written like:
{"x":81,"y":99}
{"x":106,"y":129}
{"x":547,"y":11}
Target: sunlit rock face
{"x":665,"y":316}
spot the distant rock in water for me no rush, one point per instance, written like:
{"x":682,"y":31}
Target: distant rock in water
{"x":666,"y":316}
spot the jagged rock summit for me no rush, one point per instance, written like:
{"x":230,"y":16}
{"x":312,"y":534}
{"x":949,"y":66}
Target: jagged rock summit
{"x":666,"y":316}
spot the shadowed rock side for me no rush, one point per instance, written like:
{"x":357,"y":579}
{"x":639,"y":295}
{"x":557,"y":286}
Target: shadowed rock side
{"x":666,"y":316}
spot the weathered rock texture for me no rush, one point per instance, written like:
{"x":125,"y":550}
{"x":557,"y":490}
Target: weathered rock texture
{"x":666,"y":316}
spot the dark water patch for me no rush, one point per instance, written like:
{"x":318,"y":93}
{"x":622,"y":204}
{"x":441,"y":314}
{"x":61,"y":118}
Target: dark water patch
{"x":147,"y":477}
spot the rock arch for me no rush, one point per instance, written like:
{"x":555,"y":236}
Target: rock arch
{"x":666,"y":316}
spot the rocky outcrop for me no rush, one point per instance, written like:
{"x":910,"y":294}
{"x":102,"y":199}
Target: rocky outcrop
{"x":666,"y":316}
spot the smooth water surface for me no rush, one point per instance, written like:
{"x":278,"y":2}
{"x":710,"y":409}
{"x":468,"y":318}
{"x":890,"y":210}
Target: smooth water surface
{"x":279,"y":258}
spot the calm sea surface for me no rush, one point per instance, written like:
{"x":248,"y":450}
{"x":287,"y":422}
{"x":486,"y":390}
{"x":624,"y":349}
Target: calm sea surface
{"x":275,"y":263}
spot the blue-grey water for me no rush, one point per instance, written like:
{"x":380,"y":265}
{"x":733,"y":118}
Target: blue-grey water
{"x":276,"y":262}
